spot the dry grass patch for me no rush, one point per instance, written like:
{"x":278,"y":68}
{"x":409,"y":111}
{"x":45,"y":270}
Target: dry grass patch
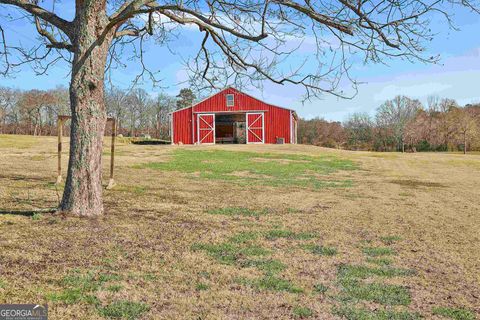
{"x":238,"y":211}
{"x":248,"y":261}
{"x":378,"y":251}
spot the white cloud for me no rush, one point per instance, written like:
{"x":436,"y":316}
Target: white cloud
{"x":415,"y":91}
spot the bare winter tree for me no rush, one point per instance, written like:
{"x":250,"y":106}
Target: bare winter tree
{"x":163,"y":106}
{"x":243,"y":42}
{"x":116,"y":101}
{"x":465,"y":124}
{"x":8,"y":101}
{"x":395,"y":114}
{"x":360,"y":130}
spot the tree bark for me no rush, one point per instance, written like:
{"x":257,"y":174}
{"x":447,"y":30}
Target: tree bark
{"x":83,"y":187}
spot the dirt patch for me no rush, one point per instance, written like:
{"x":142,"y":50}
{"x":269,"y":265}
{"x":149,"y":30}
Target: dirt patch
{"x":418,"y":183}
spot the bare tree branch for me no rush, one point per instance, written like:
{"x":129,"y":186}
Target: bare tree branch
{"x":37,"y":11}
{"x":321,"y":18}
{"x":51,"y":38}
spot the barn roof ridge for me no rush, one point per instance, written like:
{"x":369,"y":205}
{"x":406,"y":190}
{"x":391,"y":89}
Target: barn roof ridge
{"x":231,"y":87}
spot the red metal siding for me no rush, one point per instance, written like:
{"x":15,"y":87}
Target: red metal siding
{"x":277,"y":124}
{"x":182,"y":126}
{"x":277,"y":120}
{"x":218,"y":103}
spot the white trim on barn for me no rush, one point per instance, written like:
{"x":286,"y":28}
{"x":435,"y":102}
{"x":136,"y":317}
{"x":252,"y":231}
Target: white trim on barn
{"x":231,"y":112}
{"x":262,"y":115}
{"x":291,"y":127}
{"x":171,"y":128}
{"x":212,"y":131}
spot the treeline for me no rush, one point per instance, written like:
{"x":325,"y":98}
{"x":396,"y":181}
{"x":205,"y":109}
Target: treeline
{"x":35,"y":112}
{"x":401,"y":124}
{"x":32,"y":112}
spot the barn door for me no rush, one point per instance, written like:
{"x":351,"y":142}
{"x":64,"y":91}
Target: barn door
{"x":255,"y":128}
{"x":206,"y":128}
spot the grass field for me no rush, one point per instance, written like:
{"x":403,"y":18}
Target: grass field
{"x":246,"y":232}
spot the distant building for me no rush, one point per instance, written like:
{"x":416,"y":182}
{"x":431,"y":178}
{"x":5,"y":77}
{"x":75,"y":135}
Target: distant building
{"x":231,"y":116}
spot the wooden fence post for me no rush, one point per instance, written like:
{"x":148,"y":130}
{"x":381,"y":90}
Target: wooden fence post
{"x":59,"y":149}
{"x":111,"y":182}
{"x":60,"y":121}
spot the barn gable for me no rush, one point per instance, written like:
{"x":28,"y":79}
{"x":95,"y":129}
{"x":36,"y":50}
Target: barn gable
{"x":220,"y":117}
{"x":241,"y":102}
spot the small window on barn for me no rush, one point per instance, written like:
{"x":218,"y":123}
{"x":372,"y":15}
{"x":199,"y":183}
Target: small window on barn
{"x":230,"y":100}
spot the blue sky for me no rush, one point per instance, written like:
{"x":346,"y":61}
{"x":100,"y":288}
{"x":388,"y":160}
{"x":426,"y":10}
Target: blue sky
{"x":457,"y":75}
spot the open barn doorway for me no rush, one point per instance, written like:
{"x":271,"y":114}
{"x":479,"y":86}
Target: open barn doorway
{"x":230,"y":128}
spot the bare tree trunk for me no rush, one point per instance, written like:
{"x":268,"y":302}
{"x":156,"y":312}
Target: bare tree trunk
{"x":464,"y":143}
{"x":83,"y":187}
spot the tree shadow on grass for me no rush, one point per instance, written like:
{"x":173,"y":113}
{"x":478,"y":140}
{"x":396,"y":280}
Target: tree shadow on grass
{"x":27,"y":213}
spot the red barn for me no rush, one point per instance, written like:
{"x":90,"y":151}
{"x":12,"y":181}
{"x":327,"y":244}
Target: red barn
{"x":231,"y":116}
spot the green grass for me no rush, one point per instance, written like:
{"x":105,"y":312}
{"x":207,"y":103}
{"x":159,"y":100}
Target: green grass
{"x":202,"y":287}
{"x":320,"y":250}
{"x":72,"y":296}
{"x":363,"y":272}
{"x":320,"y":288}
{"x":81,"y":287}
{"x":268,"y":266}
{"x":378,"y":251}
{"x":302,"y":312}
{"x":253,"y":250}
{"x":36,"y":216}
{"x":454,"y":313}
{"x":390,"y":295}
{"x":273,"y":169}
{"x":237,"y":211}
{"x":351,"y":313}
{"x":244,"y":237}
{"x":124,"y":310}
{"x":278,"y":233}
{"x":2,"y":284}
{"x":388,"y":240}
{"x":229,"y":253}
{"x":271,"y":283}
